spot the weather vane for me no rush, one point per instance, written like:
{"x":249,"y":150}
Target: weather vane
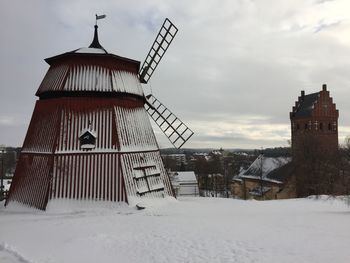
{"x":99,"y":17}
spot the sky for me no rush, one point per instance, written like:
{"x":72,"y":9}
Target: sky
{"x":232,"y":73}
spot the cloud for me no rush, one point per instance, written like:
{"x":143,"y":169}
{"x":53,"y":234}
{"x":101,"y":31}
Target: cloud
{"x":237,"y":66}
{"x":323,"y":1}
{"x":323,"y":25}
{"x":6,"y":121}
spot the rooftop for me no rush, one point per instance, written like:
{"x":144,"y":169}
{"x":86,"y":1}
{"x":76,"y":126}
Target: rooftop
{"x":272,"y":169}
{"x":305,"y":105}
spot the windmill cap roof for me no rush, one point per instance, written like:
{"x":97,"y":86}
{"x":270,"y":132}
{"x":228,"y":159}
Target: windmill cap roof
{"x":95,"y":46}
{"x":94,"y":49}
{"x":91,"y":50}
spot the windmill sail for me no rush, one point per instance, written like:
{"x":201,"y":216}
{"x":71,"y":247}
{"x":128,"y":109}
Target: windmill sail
{"x":160,"y":45}
{"x":176,"y":131}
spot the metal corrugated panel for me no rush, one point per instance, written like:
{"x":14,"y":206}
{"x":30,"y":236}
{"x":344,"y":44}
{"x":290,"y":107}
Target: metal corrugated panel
{"x":88,"y":176}
{"x":75,"y":119}
{"x":31,"y":183}
{"x":54,"y":78}
{"x":42,"y":131}
{"x":118,"y":128}
{"x":57,"y":124}
{"x":83,"y":77}
{"x":135,"y":133}
{"x":151,"y":163}
{"x":127,"y":82}
{"x":125,"y":143}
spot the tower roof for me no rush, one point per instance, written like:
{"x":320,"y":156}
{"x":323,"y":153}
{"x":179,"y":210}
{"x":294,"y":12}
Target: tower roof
{"x":94,"y":49}
{"x":305,"y":105}
{"x":315,"y":104}
{"x":90,"y":71}
{"x":95,"y":43}
{"x":95,"y":46}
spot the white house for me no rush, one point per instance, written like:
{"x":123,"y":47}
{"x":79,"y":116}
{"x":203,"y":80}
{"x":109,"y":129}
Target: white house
{"x":184,"y":183}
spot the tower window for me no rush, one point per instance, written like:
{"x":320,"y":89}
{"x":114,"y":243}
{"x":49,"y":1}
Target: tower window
{"x":321,"y":126}
{"x":329,"y":126}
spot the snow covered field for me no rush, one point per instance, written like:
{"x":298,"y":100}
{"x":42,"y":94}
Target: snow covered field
{"x":188,"y":230}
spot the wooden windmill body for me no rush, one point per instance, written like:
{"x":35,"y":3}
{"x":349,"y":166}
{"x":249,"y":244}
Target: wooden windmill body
{"x":90,"y":137}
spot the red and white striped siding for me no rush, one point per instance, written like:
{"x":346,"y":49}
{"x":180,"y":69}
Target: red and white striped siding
{"x":124,"y":81}
{"x":135,"y":133}
{"x":31,"y":183}
{"x":88,"y":176}
{"x":74,"y":121}
{"x":54,"y":78}
{"x":125,"y":141}
{"x":88,"y":78}
{"x":83,"y":77}
{"x":56,"y":126}
{"x":43,"y":129}
{"x":155,"y":165}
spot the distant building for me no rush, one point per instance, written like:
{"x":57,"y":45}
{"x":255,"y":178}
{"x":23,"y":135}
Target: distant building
{"x":184,"y":183}
{"x":219,"y":152}
{"x":178,"y":158}
{"x":314,"y":125}
{"x":314,"y":122}
{"x":266,"y":178}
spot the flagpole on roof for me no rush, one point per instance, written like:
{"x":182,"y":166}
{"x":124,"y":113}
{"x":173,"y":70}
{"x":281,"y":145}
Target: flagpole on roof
{"x":95,"y":43}
{"x":99,"y":17}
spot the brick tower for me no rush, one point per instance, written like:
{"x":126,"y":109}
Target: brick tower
{"x":314,"y":123}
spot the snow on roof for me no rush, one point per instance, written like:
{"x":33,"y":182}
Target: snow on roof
{"x":266,"y":179}
{"x":93,"y":133}
{"x":268,"y":165}
{"x":187,"y":176}
{"x":91,"y":50}
{"x":306,"y":105}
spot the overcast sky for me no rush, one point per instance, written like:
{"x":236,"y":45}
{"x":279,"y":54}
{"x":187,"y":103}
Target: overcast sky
{"x":232,"y":73}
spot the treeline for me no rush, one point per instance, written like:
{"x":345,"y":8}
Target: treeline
{"x":322,"y":171}
{"x":268,"y":152}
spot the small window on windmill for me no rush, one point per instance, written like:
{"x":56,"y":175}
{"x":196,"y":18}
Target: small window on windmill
{"x":87,"y":139}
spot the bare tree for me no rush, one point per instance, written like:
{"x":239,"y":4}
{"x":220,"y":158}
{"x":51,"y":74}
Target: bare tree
{"x":317,"y":168}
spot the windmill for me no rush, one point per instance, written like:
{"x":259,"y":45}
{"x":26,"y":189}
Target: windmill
{"x":89,"y":137}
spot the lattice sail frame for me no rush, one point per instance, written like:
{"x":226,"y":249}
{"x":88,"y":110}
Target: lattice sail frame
{"x":174,"y":129}
{"x":160,"y":45}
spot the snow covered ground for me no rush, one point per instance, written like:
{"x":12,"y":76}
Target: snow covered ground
{"x":188,"y":230}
